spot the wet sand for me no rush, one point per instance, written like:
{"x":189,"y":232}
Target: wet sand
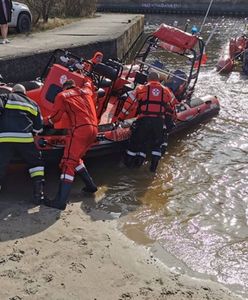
{"x":48,"y":254}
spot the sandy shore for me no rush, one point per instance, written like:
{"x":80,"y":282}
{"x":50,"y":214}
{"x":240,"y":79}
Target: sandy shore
{"x":45,"y":254}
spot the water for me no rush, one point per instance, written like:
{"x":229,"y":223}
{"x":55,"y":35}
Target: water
{"x":195,"y":210}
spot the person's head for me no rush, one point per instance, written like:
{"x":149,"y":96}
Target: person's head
{"x":153,"y":76}
{"x":164,"y":77}
{"x":194,"y":30}
{"x":68,"y":84}
{"x":97,"y":58}
{"x":19,"y":88}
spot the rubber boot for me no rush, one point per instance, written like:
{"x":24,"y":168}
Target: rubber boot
{"x":129,"y":160}
{"x":154,"y":163}
{"x":163,"y":149}
{"x":164,"y":145}
{"x":90,"y":186}
{"x":38,"y":191}
{"x":139,"y":160}
{"x":60,"y":200}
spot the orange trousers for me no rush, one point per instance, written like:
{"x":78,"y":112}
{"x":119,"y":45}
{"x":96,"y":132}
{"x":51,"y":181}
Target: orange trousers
{"x":78,"y":143}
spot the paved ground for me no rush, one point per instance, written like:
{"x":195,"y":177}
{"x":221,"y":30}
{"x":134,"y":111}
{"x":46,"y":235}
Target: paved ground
{"x":102,"y":27}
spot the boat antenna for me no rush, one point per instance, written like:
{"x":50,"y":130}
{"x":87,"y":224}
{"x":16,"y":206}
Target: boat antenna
{"x":211,"y":35}
{"x":206,"y":15}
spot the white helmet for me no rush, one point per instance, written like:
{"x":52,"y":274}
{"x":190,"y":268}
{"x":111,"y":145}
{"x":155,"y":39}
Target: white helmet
{"x":19,"y":88}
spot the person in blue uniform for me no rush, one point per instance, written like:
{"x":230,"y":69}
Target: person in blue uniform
{"x":20,"y":119}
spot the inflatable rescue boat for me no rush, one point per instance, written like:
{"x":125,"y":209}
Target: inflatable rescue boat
{"x":234,"y":56}
{"x":113,"y":80}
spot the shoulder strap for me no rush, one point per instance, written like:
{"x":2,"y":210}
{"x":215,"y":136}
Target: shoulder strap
{"x":3,"y":101}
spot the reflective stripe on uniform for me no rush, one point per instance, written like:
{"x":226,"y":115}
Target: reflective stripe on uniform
{"x":80,"y":167}
{"x":131,"y":95}
{"x":16,"y":137}
{"x":124,"y":111}
{"x":164,"y":144}
{"x":20,"y":103}
{"x":37,"y":171}
{"x":22,"y":106}
{"x":16,"y":140}
{"x":141,"y":154}
{"x":16,"y":134}
{"x":66,"y":177}
{"x":156,"y":153}
{"x":38,"y":131}
{"x":131,"y":153}
{"x":50,"y":120}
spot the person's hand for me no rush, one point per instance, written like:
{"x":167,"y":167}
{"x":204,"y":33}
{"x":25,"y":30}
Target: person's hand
{"x":118,"y":123}
{"x":47,"y":127}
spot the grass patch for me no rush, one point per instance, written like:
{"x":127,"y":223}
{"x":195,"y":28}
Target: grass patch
{"x":53,"y":23}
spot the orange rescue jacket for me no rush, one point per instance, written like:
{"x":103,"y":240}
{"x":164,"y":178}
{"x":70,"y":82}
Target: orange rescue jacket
{"x":78,"y":104}
{"x":152,"y":99}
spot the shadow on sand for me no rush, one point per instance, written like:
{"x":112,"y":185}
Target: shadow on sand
{"x":120,"y":192}
{"x":20,"y":218}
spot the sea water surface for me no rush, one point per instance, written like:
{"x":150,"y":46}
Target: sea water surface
{"x":194,"y":211}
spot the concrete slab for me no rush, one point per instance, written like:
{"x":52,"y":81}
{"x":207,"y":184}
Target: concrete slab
{"x":102,"y":27}
{"x":27,"y":55}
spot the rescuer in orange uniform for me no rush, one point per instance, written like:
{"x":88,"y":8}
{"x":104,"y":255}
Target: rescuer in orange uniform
{"x":155,"y":103}
{"x":78,"y":104}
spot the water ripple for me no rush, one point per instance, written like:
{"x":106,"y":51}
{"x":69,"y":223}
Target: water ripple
{"x":196,"y":206}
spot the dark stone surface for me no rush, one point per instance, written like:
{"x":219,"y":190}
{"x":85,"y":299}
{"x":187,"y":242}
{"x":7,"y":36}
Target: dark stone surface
{"x":221,"y":7}
{"x":26,"y":56}
{"x":31,"y":66}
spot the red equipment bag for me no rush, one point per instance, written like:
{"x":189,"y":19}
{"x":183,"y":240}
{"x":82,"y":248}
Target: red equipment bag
{"x":175,"y":37}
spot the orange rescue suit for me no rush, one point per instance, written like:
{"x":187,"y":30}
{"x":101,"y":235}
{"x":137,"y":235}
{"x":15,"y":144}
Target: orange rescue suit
{"x":78,"y":104}
{"x":152,"y":99}
{"x":155,"y":103}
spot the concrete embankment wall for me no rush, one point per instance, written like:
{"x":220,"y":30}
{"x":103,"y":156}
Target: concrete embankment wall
{"x":218,"y":7}
{"x":25,"y":57}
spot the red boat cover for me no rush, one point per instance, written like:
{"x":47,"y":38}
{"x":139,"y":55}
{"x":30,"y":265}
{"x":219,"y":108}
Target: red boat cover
{"x":56,"y":77}
{"x":175,"y":37}
{"x":171,"y":48}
